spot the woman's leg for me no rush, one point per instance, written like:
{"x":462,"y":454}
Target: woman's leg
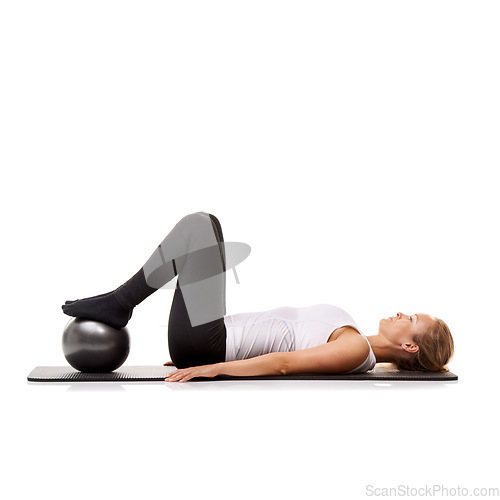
{"x":191,"y":250}
{"x":196,"y":329}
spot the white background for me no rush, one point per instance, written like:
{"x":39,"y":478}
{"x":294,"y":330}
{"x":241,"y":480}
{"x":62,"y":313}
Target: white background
{"x":352,"y":144}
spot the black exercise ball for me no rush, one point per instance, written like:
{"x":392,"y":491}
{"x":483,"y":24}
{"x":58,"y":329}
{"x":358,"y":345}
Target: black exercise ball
{"x":91,"y":346}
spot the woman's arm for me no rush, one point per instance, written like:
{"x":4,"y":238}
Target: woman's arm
{"x":341,"y":355}
{"x":267,"y":364}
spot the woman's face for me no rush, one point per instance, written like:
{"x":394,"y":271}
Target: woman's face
{"x":402,"y":327}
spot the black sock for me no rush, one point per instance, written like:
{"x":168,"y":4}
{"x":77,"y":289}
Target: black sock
{"x":113,"y":308}
{"x":105,"y":309}
{"x":95,"y":297}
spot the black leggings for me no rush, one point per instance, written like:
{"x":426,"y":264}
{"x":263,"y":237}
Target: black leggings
{"x":204,"y":343}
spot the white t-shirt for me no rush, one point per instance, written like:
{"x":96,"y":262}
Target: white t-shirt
{"x":286,"y":329}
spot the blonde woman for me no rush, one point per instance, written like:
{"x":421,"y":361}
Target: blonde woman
{"x":205,"y":342}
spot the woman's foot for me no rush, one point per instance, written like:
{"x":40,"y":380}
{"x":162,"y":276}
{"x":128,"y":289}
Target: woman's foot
{"x":95,"y":297}
{"x":104,"y":308}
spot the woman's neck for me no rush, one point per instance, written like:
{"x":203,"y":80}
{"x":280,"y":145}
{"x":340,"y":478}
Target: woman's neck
{"x":384,"y":350}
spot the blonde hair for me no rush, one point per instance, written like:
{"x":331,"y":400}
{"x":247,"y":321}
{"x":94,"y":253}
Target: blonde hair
{"x":436,"y":347}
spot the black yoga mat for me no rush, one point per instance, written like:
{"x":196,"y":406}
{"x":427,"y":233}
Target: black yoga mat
{"x":158,"y":373}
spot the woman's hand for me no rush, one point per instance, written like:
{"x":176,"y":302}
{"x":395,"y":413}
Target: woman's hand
{"x":185,"y":374}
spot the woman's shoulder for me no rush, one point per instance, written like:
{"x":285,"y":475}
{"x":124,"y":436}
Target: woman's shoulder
{"x":354,"y":339}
